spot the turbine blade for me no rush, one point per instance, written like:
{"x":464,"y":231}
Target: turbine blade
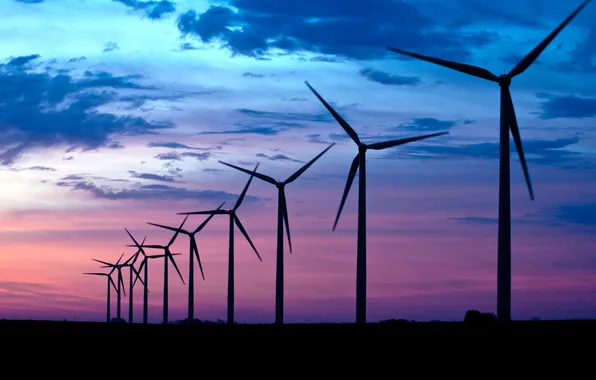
{"x":461,"y":67}
{"x":351,"y":175}
{"x":263,"y":177}
{"x":118,"y":262}
{"x":294,"y":176}
{"x":196,"y":252}
{"x":133,"y":239}
{"x":154,"y":246}
{"x":97,"y":274}
{"x":533,"y":55}
{"x":121,"y":280}
{"x":103,"y":262}
{"x":344,"y":124}
{"x":512,"y":119}
{"x":392,"y":143}
{"x":143,"y":262}
{"x":166,"y":227}
{"x":171,"y":257}
{"x":113,"y":284}
{"x":138,"y":276}
{"x":284,"y":211}
{"x":243,"y":194}
{"x":214,"y":212}
{"x":177,"y":232}
{"x":202,"y":225}
{"x":241,"y":228}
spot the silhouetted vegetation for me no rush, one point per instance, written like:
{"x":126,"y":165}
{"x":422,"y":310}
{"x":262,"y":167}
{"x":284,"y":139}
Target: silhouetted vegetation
{"x":475,"y":317}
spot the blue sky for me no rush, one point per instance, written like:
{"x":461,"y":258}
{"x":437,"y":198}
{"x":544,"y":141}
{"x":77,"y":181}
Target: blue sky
{"x":118,"y":106}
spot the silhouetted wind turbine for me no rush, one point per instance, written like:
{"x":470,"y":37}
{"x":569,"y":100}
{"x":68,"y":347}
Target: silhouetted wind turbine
{"x":508,"y":121}
{"x":110,"y":281}
{"x":167,"y":256}
{"x":120,"y":289}
{"x":130,"y":263}
{"x":282,"y":218}
{"x":193,"y":251}
{"x":233,"y":220}
{"x":145,"y":287}
{"x":360,"y":163}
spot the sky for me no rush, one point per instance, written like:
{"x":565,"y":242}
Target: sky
{"x":115,"y":113}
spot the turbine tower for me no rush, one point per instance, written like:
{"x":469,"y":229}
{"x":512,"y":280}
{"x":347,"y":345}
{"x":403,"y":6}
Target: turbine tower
{"x":359,"y":162}
{"x":508,"y":121}
{"x":110,"y":281}
{"x":120,"y":288}
{"x":234,"y":220}
{"x":282,"y":218}
{"x":167,"y":257}
{"x":193,"y":251}
{"x":130,"y":262}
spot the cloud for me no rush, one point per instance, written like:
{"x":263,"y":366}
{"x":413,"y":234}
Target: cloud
{"x":584,"y":214}
{"x":252,"y":75}
{"x":271,"y":123}
{"x":571,"y":107}
{"x":389,"y":79}
{"x":256,"y":28}
{"x":173,"y":156}
{"x":83,"y":183}
{"x":429,"y":124}
{"x":30,"y":1}
{"x":110,"y":46}
{"x":277,"y":157}
{"x":177,"y":145}
{"x":34,"y":168}
{"x":214,"y":171}
{"x":154,"y":10}
{"x":151,"y":177}
{"x":542,"y":152}
{"x":316,"y":139}
{"x":41,"y":108}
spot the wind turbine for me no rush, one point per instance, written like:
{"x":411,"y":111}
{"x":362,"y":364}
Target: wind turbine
{"x":282,"y":218}
{"x":120,"y":288}
{"x":508,"y":121}
{"x":194,"y":251}
{"x":167,"y":256}
{"x":233,"y":220}
{"x":130,"y":263}
{"x":110,"y":281}
{"x":359,"y":162}
{"x":145,"y":288}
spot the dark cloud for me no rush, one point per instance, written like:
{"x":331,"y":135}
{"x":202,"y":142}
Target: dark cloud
{"x":151,"y":177}
{"x":153,"y":9}
{"x":358,"y":30}
{"x":584,"y":214}
{"x":571,"y":107}
{"x":294,"y":99}
{"x":177,"y":145}
{"x":42,"y":108}
{"x":316,"y":139}
{"x":277,"y":157}
{"x":30,"y":1}
{"x":147,"y":192}
{"x":252,"y":75}
{"x":110,"y":46}
{"x":271,"y":123}
{"x":34,"y":168}
{"x":214,"y":171}
{"x":429,"y":124}
{"x":389,"y":79}
{"x":174,"y":156}
{"x":542,"y":152}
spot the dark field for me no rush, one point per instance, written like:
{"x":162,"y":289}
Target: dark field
{"x":95,"y":331}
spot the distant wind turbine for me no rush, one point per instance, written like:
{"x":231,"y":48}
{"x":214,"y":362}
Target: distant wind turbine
{"x":120,"y":288}
{"x":508,"y":122}
{"x":282,"y":218}
{"x":233,"y":220}
{"x":193,"y":251}
{"x":167,"y":257}
{"x":110,"y":282}
{"x":145,"y":288}
{"x":360,"y":163}
{"x":130,"y":262}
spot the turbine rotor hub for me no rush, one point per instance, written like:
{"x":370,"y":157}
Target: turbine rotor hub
{"x":362,"y":148}
{"x":504,"y":80}
{"x":280,"y":185}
